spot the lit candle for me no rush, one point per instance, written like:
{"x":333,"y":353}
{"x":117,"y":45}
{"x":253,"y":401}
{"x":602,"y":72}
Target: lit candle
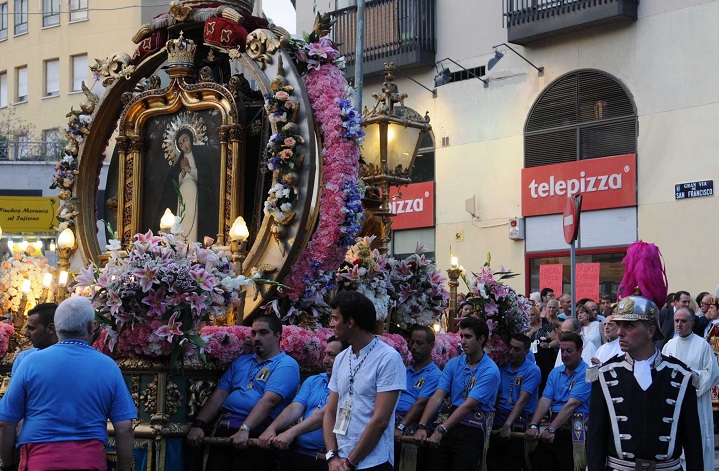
{"x":62,"y":281}
{"x":46,"y":282}
{"x":25,"y":287}
{"x":52,"y":246}
{"x":455,"y":262}
{"x":167,"y":220}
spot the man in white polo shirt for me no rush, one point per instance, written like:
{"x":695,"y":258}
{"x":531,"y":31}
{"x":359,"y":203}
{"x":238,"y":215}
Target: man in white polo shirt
{"x":365,"y":385}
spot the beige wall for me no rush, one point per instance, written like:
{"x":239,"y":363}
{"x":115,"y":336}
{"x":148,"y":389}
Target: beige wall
{"x":104,"y":33}
{"x":667,"y":62}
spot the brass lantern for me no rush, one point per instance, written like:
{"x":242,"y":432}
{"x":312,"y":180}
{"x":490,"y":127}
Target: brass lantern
{"x":393,"y":132}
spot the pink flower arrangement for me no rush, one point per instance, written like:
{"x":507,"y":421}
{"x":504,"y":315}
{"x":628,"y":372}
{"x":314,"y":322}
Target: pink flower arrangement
{"x":13,"y":272}
{"x":506,"y":312}
{"x":399,"y":343}
{"x":6,"y":332}
{"x":326,"y":86}
{"x":446,"y":347}
{"x":154,"y":301}
{"x":227,"y":343}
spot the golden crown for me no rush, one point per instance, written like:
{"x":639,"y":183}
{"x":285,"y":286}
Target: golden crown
{"x":180,"y":51}
{"x":247,"y":5}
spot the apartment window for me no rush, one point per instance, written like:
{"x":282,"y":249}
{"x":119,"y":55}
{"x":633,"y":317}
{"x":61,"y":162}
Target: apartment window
{"x":79,"y":72}
{"x":78,"y":10}
{"x":3,"y":21}
{"x":20,"y":16}
{"x":21,"y":81}
{"x":50,"y":12}
{"x":52,"y":140}
{"x":52,"y":77}
{"x":3,"y":90}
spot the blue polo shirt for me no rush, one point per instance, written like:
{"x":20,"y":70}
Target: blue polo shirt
{"x":482,"y":382}
{"x":420,"y":383}
{"x":525,"y":378}
{"x":66,"y":392}
{"x":19,"y":358}
{"x":562,"y":387}
{"x":313,"y":396}
{"x":248,"y":380}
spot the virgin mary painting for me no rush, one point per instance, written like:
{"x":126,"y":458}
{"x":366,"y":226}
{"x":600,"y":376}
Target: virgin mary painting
{"x":183,"y":174}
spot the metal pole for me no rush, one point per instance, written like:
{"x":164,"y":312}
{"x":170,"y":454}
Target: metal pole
{"x":359,"y":54}
{"x":573,"y":262}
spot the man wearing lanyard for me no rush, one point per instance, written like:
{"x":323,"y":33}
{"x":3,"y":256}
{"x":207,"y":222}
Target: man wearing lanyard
{"x":309,"y":404}
{"x":471,"y":381}
{"x":365,"y":384}
{"x":516,"y":402}
{"x":422,"y":380}
{"x":253,"y":391}
{"x":561,"y":445}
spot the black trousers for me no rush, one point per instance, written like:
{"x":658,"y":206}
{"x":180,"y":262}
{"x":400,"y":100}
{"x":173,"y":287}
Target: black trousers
{"x":555,"y":456}
{"x":290,"y":460}
{"x":227,"y":458}
{"x":505,"y":454}
{"x":460,"y":450}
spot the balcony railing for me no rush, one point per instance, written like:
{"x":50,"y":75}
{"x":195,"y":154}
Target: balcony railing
{"x":532,"y":20}
{"x":399,"y":31}
{"x":31,"y":151}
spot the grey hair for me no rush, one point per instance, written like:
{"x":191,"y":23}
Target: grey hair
{"x":73,"y":315}
{"x":576,"y":325}
{"x":690,"y":311}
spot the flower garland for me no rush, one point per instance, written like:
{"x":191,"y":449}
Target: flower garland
{"x":327,"y":88}
{"x":66,"y":171}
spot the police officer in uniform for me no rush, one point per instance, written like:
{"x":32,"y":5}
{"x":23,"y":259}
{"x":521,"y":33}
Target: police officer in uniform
{"x":643,"y":408}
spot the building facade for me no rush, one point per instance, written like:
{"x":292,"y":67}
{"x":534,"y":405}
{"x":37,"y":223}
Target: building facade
{"x":624,"y":110}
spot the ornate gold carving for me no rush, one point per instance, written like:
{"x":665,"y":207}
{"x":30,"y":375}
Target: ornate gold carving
{"x":173,"y":399}
{"x":261,"y":43}
{"x":91,"y":100}
{"x":205,"y":74}
{"x":126,"y":98}
{"x":113,"y":68}
{"x":178,"y":11}
{"x":149,"y":397}
{"x":200,"y":391}
{"x":180,"y":51}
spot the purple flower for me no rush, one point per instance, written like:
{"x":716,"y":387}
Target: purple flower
{"x":491,"y":308}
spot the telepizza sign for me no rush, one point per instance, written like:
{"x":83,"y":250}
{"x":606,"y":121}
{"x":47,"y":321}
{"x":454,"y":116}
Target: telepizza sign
{"x":413,"y":205}
{"x":608,"y":182}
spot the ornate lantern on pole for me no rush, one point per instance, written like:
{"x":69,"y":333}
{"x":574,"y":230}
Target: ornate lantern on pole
{"x":453,"y":283}
{"x":393,"y":133}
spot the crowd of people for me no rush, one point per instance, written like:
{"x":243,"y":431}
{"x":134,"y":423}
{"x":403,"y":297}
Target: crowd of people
{"x":640,"y":399}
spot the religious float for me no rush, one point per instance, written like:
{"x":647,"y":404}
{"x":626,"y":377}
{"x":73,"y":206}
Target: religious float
{"x":234,"y":189}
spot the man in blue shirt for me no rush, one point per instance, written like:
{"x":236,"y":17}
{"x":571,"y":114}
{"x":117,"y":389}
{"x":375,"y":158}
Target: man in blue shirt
{"x":422,"y":380}
{"x":471,"y":381}
{"x":567,"y":395}
{"x":252,"y":393}
{"x":516,"y":402}
{"x":366,"y":381}
{"x":39,"y":329}
{"x":65,"y":395}
{"x":309,"y":404}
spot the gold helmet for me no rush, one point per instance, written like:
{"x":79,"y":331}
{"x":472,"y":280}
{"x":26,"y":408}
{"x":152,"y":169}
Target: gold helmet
{"x":638,"y":308}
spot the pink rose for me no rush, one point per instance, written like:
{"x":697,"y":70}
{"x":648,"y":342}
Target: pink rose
{"x":282,"y":96}
{"x":290,"y":142}
{"x":286,"y":154}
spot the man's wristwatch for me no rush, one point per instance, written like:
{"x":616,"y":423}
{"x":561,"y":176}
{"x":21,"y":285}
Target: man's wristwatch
{"x":551,"y":430}
{"x":331,"y":454}
{"x":245,"y":428}
{"x":401,"y":427}
{"x":534,"y":426}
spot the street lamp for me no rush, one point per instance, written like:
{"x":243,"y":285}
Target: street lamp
{"x":453,"y":283}
{"x":238,"y":237}
{"x":66,"y":246}
{"x":393,"y":133}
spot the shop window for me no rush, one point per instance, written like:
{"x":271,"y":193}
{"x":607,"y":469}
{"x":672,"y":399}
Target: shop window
{"x":583,"y":115}
{"x":611,"y":269}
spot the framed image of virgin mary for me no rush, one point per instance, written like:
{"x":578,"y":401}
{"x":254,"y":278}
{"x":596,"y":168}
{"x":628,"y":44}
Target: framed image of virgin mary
{"x":181,"y":161}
